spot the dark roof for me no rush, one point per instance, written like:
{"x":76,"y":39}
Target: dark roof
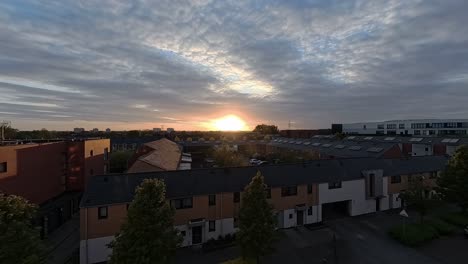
{"x":119,"y":188}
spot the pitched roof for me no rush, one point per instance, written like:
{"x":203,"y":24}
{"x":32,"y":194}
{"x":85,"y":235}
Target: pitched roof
{"x":119,"y":188}
{"x":165,"y":155}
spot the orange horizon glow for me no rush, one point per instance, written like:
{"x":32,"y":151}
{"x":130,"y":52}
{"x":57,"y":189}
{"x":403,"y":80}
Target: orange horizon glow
{"x":229,"y":123}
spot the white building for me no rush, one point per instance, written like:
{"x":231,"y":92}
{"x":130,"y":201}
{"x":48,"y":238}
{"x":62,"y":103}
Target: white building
{"x":78,"y":130}
{"x":410,"y":127}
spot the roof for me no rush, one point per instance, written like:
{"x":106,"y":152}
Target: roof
{"x":165,"y":155}
{"x":119,"y":188}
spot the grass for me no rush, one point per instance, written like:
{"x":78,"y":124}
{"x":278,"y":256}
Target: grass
{"x":414,"y":235}
{"x":457,"y":219}
{"x":443,"y":228}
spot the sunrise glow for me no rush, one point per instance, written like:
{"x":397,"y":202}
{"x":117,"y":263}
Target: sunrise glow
{"x":229,"y":123}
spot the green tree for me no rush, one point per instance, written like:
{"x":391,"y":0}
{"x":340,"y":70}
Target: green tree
{"x":20,"y":240}
{"x":148,"y":234}
{"x":266,"y":129}
{"x":256,"y":221}
{"x":119,"y":161}
{"x":453,"y":182}
{"x":9,"y":132}
{"x":416,"y":196}
{"x":225,"y":157}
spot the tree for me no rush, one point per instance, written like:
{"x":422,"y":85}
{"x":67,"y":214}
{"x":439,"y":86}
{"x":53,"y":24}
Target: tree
{"x":20,"y":240}
{"x":256,"y":221}
{"x":453,"y":182}
{"x":415,"y":196}
{"x":225,"y":157}
{"x":266,"y":129}
{"x":119,"y":161}
{"x":148,"y":234}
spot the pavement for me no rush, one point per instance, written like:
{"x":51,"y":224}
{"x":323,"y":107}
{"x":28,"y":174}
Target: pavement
{"x":63,"y":243}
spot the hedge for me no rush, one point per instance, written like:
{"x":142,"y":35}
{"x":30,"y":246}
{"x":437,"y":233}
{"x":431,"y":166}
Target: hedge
{"x":442,"y":228}
{"x":413,"y":234}
{"x":457,"y":219}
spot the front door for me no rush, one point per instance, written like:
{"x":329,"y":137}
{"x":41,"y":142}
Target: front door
{"x":300,"y":218}
{"x":196,"y":235}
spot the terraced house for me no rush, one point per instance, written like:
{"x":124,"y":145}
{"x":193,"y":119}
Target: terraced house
{"x":207,"y":201}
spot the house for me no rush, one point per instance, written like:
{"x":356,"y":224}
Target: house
{"x":207,"y":201}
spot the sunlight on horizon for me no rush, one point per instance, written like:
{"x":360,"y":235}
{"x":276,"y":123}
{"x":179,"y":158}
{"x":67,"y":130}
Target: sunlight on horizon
{"x":229,"y":123}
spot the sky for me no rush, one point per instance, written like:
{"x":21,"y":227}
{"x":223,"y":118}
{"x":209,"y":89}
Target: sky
{"x":142,"y":64}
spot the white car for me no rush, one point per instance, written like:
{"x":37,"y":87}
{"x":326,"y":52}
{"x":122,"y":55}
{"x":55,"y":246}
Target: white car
{"x":466,"y":231}
{"x":254,"y":161}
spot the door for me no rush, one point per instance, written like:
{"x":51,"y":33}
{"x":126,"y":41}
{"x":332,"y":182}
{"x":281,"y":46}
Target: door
{"x":196,"y":235}
{"x":300,"y":218}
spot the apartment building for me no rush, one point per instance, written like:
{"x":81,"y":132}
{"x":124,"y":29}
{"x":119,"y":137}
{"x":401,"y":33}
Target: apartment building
{"x":207,"y":201}
{"x":52,"y":175}
{"x":416,"y":127}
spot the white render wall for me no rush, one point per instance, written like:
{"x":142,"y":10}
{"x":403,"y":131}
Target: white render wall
{"x":97,"y":250}
{"x":350,"y":190}
{"x":394,"y":202}
{"x":420,"y":150}
{"x":289,"y":222}
{"x":315,"y":217}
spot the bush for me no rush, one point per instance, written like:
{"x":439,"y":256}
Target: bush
{"x":442,"y":228}
{"x":457,"y":219}
{"x":413,"y":234}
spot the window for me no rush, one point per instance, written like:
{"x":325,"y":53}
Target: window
{"x":334,"y":185}
{"x":3,"y":167}
{"x":211,"y":199}
{"x":211,"y":226}
{"x":106,"y":153}
{"x":309,"y":210}
{"x":182,"y":203}
{"x":268,"y":193}
{"x":182,"y":233}
{"x":236,"y":222}
{"x":401,"y":126}
{"x":364,"y":127}
{"x":395,"y":179}
{"x":290,"y":216}
{"x":391,"y":126}
{"x":380,"y":126}
{"x":417,"y":132}
{"x":309,"y":188}
{"x":237,"y":197}
{"x":426,"y":149}
{"x":102,"y":212}
{"x":289,"y":191}
{"x":91,"y":153}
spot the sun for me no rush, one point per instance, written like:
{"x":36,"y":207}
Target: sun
{"x":229,"y":123}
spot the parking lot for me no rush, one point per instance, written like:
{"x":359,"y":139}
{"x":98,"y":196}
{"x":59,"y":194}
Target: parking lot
{"x":361,"y":239}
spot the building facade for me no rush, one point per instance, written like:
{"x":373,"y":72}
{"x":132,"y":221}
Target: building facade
{"x":415,"y":127}
{"x":207,"y":201}
{"x":52,"y":175}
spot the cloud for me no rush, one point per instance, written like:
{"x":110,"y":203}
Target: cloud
{"x":146,"y":63}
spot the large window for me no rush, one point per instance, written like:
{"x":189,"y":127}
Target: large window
{"x":182,"y":203}
{"x":237,"y":197}
{"x":212,"y":199}
{"x":380,"y":126}
{"x":395,"y":179}
{"x":309,"y":188}
{"x":102,"y":212}
{"x":334,"y":185}
{"x":289,"y":191}
{"x":3,"y":167}
{"x":391,"y":126}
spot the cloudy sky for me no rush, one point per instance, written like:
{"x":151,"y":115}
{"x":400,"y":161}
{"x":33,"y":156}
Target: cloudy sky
{"x":83,"y":63}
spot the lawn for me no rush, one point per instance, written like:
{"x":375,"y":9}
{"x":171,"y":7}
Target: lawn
{"x":457,"y":219}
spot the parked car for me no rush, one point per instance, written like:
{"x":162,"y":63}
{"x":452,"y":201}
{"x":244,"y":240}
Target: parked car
{"x":466,"y":231}
{"x":262,"y":162}
{"x":254,"y":161}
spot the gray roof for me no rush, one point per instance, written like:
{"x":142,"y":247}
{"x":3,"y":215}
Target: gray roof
{"x":119,"y":188}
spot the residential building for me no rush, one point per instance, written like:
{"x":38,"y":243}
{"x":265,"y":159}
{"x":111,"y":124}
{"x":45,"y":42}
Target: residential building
{"x":95,"y":130}
{"x":303,"y":133}
{"x":78,"y":130}
{"x":52,"y":175}
{"x":108,"y":130}
{"x":159,"y":155}
{"x":417,"y":127}
{"x":207,"y":201}
{"x":170,"y":130}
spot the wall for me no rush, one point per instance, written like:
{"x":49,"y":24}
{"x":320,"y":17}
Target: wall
{"x":420,"y":150}
{"x":94,"y":165}
{"x":95,"y":250}
{"x":350,"y":190}
{"x":39,"y":165}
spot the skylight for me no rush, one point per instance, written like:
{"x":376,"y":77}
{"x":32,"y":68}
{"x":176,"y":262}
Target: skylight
{"x":450,"y":140}
{"x":417,"y":140}
{"x":340,"y":146}
{"x":355,"y":148}
{"x":389,"y":138}
{"x":326,"y":145}
{"x":368,"y":138}
{"x":374,"y":149}
{"x":316,"y":144}
{"x":352,"y":137}
{"x":306,"y":143}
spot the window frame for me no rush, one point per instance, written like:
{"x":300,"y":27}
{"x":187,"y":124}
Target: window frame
{"x":100,"y":215}
{"x":211,"y":199}
{"x":180,"y":203}
{"x":4,"y":167}
{"x":289,"y":191}
{"x":210,"y":229}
